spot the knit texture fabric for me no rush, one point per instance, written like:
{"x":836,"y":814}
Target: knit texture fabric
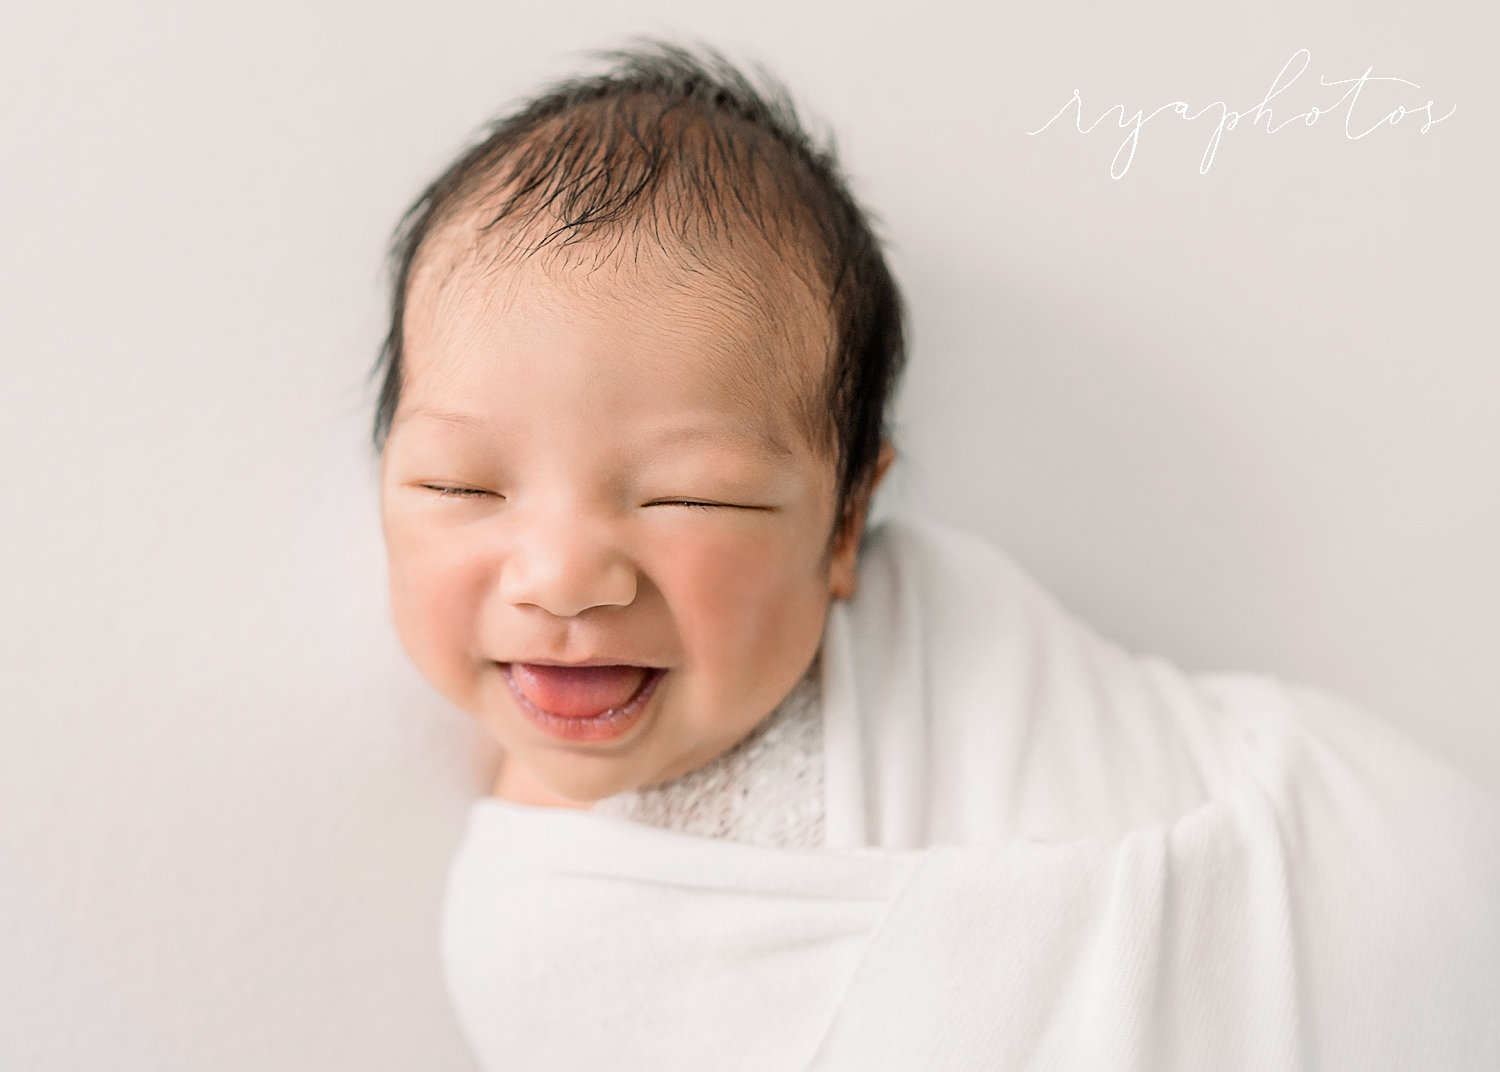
{"x":766,"y":790}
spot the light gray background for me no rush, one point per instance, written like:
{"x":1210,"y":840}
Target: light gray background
{"x":1246,"y":419}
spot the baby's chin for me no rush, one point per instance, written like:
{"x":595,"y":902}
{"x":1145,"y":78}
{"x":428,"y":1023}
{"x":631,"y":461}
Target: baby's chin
{"x":570,"y":780}
{"x":567,"y":780}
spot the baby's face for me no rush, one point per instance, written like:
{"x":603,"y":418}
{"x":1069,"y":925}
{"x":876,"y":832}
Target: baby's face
{"x":603,"y":470}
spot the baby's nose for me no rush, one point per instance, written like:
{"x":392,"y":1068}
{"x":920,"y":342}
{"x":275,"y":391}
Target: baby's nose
{"x":566,"y":567}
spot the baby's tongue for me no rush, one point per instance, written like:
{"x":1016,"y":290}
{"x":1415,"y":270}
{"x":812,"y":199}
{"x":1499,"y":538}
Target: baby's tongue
{"x":577,"y":691}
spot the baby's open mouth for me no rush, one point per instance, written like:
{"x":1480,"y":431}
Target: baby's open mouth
{"x":580,"y":691}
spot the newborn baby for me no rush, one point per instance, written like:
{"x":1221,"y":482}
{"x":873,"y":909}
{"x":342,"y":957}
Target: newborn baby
{"x":778,"y":792}
{"x":632,"y":419}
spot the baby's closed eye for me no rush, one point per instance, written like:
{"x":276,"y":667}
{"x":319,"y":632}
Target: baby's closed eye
{"x":704,"y":504}
{"x":451,"y":491}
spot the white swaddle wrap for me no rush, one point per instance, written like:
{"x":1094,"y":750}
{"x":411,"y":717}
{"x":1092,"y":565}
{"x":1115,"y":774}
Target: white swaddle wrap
{"x":1041,"y":853}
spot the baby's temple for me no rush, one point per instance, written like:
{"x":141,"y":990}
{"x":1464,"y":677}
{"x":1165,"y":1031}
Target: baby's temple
{"x":782,"y":787}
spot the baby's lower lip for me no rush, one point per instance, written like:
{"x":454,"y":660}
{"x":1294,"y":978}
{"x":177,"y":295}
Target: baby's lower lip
{"x":607,"y":725}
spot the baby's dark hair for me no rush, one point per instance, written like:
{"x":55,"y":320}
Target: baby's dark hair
{"x":679,"y":149}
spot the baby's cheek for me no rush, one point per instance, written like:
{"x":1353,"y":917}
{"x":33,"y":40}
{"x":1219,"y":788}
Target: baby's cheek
{"x":754,"y":603}
{"x":720,"y":580}
{"x":433,"y":600}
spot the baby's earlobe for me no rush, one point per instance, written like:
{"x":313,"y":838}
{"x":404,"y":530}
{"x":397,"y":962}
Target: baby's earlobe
{"x":843,"y":582}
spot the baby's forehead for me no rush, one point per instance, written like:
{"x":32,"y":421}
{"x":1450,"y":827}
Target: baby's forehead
{"x":758,"y":324}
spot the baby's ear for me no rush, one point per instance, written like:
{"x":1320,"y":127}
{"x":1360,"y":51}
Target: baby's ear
{"x":843,"y":574}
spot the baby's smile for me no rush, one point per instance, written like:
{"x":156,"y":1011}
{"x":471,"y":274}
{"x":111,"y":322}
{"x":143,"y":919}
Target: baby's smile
{"x":583,"y":703}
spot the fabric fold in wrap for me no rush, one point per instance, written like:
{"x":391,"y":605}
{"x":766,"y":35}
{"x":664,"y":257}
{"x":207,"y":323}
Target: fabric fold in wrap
{"x":1043,"y":853}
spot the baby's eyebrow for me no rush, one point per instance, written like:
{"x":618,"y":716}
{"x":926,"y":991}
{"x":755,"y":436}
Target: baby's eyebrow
{"x":759,"y":440}
{"x":448,"y":416}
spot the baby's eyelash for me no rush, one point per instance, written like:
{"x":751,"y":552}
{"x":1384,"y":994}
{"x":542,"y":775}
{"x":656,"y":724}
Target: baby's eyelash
{"x":692,"y":503}
{"x":456,"y":493}
{"x":706,"y":504}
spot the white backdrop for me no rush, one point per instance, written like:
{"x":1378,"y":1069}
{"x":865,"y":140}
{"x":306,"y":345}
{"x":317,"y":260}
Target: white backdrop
{"x":1244,"y":418}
